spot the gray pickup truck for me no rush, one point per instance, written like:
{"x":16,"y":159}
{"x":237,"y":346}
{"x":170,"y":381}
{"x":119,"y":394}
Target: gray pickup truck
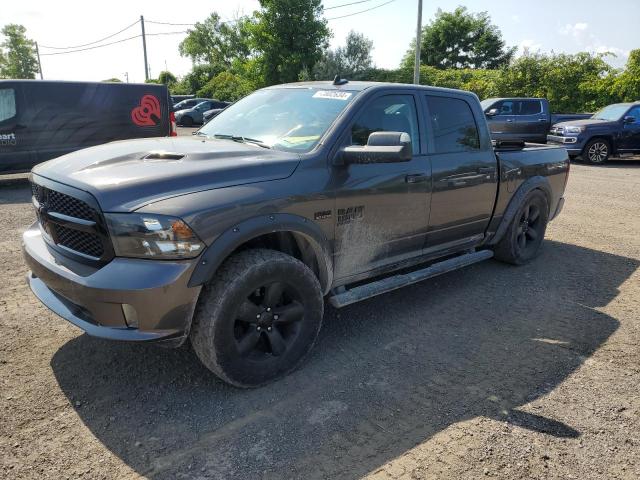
{"x":232,"y":238}
{"x":524,"y":119}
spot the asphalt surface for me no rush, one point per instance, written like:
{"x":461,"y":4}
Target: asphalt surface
{"x":492,"y":371}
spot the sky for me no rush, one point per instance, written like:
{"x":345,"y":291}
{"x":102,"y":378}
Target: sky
{"x":540,"y":25}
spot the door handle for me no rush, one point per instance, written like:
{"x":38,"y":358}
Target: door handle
{"x":416,"y":178}
{"x":542,"y":120}
{"x":509,"y":120}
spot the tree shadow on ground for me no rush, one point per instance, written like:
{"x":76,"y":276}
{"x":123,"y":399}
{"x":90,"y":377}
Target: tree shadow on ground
{"x":386,"y":375}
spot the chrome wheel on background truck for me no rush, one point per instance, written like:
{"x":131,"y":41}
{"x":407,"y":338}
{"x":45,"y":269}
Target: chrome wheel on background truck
{"x":597,"y":151}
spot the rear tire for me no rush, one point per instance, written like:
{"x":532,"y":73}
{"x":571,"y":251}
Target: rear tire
{"x":522,"y":240}
{"x":258,"y":318}
{"x":596,"y":151}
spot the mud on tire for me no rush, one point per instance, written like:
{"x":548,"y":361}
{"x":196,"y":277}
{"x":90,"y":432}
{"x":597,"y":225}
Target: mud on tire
{"x":258,"y":318}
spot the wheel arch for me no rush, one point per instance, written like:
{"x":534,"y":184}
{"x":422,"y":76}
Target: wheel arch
{"x":531,"y":184}
{"x":288,"y":233}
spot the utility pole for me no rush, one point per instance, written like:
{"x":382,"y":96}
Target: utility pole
{"x":39,"y":64}
{"x":416,"y":67}
{"x":144,"y":48}
{"x":126,"y":75}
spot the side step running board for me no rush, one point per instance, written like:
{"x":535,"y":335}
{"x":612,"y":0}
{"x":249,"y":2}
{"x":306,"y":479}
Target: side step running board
{"x":388,"y":284}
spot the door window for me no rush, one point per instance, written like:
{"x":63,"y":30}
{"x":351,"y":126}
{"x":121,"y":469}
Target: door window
{"x":454,"y":128}
{"x":507,"y":107}
{"x":7,"y":103}
{"x":391,"y":113}
{"x":635,"y":112}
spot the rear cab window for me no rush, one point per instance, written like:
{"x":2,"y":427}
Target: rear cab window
{"x":530,"y":107}
{"x":7,"y":104}
{"x":453,"y":125}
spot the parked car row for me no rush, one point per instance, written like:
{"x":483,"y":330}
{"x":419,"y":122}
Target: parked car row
{"x":528,"y":119}
{"x":612,"y":131}
{"x":192,"y":112}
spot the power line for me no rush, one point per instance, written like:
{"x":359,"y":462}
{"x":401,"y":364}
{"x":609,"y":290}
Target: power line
{"x":90,"y":43}
{"x":169,"y":23}
{"x":361,"y":11}
{"x":346,"y":5}
{"x":112,"y":43}
{"x":194,"y":24}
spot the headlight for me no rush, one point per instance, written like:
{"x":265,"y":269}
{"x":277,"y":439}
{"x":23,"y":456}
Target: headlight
{"x":572,"y":129}
{"x":152,"y":236}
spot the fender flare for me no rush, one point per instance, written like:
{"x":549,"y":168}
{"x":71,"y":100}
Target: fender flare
{"x":254,"y":227}
{"x":534,"y":183}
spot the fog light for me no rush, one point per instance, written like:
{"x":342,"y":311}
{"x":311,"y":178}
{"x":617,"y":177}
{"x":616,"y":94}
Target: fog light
{"x":130,"y":315}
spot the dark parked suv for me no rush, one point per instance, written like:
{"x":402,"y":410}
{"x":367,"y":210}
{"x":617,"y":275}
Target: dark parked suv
{"x":614,"y":130}
{"x":232,"y":238}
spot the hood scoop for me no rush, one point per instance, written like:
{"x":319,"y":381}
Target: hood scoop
{"x":170,"y":156}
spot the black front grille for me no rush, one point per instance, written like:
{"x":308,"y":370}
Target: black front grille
{"x":85,"y":240}
{"x":67,"y":205}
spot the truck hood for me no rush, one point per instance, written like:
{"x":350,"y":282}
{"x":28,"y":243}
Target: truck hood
{"x":587,"y":122}
{"x":124,"y":176}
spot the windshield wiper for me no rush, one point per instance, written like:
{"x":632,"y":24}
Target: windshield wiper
{"x":240,"y":138}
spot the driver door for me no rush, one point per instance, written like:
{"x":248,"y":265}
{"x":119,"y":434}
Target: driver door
{"x":630,"y":138}
{"x":382,"y":210}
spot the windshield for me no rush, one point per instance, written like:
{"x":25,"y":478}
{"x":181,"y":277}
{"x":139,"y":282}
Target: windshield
{"x":281,"y":118}
{"x":611,"y":112}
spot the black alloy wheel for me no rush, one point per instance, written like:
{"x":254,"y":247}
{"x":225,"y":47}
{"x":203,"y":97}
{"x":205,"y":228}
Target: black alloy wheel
{"x":268,"y":321}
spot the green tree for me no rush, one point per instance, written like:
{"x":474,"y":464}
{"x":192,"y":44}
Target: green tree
{"x":196,"y":79}
{"x":17,"y":53}
{"x":626,"y":87}
{"x":167,"y":78}
{"x":571,"y":83}
{"x":461,"y":39}
{"x":227,"y":87}
{"x":350,"y":61}
{"x":217,"y":43}
{"x":288,"y":37}
{"x":113,"y":80}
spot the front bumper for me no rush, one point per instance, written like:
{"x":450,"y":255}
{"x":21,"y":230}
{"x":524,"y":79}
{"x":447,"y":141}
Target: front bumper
{"x":573,"y":145}
{"x":126,"y":299}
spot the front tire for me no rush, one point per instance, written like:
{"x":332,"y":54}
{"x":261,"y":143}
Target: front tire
{"x":596,"y":151}
{"x":522,"y":240}
{"x":187,"y":122}
{"x":258,"y":318}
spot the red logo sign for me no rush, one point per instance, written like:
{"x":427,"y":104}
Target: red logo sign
{"x":147,"y":114}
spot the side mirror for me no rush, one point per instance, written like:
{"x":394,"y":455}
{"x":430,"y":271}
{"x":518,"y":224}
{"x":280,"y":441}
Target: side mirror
{"x":492,"y":112}
{"x":629,"y":119}
{"x":381,"y":147}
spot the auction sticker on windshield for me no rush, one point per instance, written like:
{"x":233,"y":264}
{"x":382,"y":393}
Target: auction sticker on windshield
{"x":332,"y":94}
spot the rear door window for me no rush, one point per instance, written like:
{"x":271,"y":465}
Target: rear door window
{"x":453,"y":124}
{"x":7,"y":104}
{"x":530,"y":107}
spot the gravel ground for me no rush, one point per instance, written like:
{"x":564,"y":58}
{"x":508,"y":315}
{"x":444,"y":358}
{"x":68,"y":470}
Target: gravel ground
{"x":493,"y":371}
